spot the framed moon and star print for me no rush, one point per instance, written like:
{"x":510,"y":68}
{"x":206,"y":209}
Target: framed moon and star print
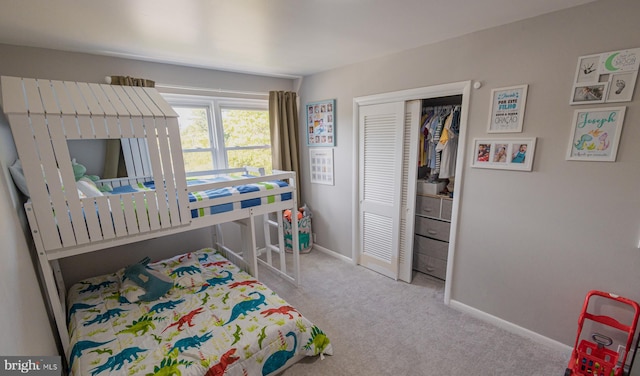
{"x":606,"y":77}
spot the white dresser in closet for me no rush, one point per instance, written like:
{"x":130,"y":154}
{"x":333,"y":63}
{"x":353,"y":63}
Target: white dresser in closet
{"x":431,"y":239}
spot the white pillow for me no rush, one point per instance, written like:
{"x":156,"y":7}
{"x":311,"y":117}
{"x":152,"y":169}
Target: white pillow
{"x":18,"y":177}
{"x":88,"y":187}
{"x":81,"y":194}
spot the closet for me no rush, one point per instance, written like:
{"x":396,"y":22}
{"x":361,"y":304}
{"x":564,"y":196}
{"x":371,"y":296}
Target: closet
{"x":392,"y":191}
{"x":439,"y":130}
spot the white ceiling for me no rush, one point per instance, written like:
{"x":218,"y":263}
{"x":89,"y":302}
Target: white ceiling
{"x":272,"y":37}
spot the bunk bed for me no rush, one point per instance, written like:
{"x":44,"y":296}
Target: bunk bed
{"x":45,"y":114}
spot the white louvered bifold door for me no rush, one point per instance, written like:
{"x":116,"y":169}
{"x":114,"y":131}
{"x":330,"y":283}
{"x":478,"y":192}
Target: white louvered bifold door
{"x":411,"y":139}
{"x":381,"y":143}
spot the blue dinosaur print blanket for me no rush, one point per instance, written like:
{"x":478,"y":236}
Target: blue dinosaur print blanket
{"x":216,"y":320}
{"x":236,"y":190}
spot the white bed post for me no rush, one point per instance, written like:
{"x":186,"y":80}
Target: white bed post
{"x":53,"y":285}
{"x":249,"y":252}
{"x":281,"y":241}
{"x":266,"y":223}
{"x":55,"y":299}
{"x":295,"y":241}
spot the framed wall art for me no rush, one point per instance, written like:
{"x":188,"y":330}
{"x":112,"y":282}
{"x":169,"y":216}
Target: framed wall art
{"x":595,"y":134}
{"x":321,"y":164}
{"x":589,"y":93}
{"x":622,"y":85}
{"x":321,"y":123}
{"x":606,"y":77}
{"x":507,"y":109}
{"x":504,"y":154}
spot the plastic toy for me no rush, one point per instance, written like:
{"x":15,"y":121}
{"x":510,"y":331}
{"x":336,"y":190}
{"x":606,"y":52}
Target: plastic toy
{"x":594,"y":358}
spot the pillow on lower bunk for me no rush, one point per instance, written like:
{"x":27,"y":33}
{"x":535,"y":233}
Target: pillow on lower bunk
{"x":142,"y":283}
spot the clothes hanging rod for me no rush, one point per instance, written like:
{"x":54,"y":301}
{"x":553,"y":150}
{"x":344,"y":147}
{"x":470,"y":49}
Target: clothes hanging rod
{"x":107,"y":79}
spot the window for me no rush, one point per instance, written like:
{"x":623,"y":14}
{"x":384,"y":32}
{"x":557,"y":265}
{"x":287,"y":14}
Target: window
{"x":219,"y":133}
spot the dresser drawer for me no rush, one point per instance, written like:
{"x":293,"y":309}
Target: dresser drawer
{"x":447,"y":206}
{"x":427,"y":205}
{"x":432,"y":228}
{"x":431,"y":247}
{"x":430,"y":265}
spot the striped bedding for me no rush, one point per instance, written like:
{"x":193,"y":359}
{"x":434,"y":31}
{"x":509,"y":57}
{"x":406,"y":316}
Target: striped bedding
{"x":235,"y":190}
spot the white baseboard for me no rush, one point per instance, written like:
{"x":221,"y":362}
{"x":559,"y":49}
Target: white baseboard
{"x":511,"y":327}
{"x":333,"y":253}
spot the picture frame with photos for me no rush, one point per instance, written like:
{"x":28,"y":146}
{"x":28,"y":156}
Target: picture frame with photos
{"x":589,"y":93}
{"x":504,"y":153}
{"x":321,"y":123}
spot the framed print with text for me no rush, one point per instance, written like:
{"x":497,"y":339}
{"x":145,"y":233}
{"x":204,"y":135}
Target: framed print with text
{"x":595,"y":134}
{"x":507,"y":109}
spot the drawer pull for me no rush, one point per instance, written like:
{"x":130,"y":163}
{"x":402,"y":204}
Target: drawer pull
{"x":432,"y":232}
{"x":427,"y":209}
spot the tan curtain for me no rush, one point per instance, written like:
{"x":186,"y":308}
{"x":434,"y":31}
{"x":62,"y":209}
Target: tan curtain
{"x":283,"y":123}
{"x":132,"y":81}
{"x":114,"y":166}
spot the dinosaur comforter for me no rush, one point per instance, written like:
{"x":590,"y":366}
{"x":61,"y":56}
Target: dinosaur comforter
{"x":215,"y":320}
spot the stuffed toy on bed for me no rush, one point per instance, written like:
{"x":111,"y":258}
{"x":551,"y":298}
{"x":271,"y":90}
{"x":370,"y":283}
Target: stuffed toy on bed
{"x":87,"y":183}
{"x":153,"y":284}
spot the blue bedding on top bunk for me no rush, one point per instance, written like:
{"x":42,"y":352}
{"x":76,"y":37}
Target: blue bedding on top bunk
{"x":209,"y":194}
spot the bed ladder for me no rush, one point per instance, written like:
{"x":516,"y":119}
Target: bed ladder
{"x":286,"y":264}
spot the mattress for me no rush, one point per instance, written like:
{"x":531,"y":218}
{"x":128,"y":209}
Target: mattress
{"x":211,"y":194}
{"x":215,"y":320}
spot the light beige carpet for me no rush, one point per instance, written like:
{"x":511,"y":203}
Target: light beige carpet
{"x":382,"y":327}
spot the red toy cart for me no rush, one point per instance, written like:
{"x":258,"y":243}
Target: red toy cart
{"x":594,"y":358}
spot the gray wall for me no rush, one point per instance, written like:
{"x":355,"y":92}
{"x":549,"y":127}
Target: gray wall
{"x":22,"y":316}
{"x":530,"y":244}
{"x":59,"y":65}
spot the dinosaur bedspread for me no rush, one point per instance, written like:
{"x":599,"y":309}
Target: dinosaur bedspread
{"x":216,"y":320}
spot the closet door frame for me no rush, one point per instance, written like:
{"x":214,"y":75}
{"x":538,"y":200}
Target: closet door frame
{"x":456,"y":88}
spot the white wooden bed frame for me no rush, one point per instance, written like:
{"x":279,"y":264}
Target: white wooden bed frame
{"x":44,"y":114}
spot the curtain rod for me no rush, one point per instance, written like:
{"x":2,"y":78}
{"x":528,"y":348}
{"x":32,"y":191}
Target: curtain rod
{"x":202,"y":89}
{"x":209,"y":90}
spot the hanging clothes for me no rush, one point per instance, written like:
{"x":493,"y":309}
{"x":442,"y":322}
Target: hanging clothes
{"x":439,"y":130}
{"x":449,"y":147}
{"x":423,"y":158}
{"x":436,"y":129}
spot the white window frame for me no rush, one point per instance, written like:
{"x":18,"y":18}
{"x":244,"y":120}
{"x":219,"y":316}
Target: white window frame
{"x":214,"y":106}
